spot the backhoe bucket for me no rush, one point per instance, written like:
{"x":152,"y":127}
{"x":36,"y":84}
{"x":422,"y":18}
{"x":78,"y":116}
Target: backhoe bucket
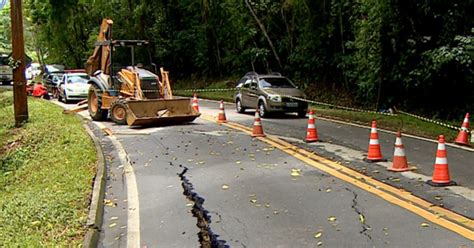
{"x":160,"y":112}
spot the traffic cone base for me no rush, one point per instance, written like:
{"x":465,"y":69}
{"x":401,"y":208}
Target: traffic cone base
{"x":399,"y":165}
{"x":431,"y":183}
{"x":311,"y":131}
{"x":374,"y":160}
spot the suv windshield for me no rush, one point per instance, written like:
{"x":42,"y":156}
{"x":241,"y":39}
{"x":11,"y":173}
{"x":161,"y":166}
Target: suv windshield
{"x":81,"y":79}
{"x":275,"y":83}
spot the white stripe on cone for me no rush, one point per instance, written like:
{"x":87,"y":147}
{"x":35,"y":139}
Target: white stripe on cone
{"x":373,"y":130}
{"x":373,"y":142}
{"x":441,"y":161}
{"x":441,"y":146}
{"x":400,"y":152}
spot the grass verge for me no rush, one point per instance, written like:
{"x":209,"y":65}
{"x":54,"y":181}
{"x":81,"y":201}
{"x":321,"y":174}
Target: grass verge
{"x":46,"y":173}
{"x":406,"y":124}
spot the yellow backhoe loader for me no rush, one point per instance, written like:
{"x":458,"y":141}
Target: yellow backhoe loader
{"x":124,"y":83}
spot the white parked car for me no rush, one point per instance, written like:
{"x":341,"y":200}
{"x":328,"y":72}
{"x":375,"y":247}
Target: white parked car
{"x":73,"y":86}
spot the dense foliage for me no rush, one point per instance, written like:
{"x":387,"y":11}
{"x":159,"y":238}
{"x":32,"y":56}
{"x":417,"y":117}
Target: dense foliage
{"x":417,"y":55}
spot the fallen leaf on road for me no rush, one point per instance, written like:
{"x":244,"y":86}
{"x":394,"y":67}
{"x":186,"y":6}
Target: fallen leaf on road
{"x":113,"y":224}
{"x":174,"y":158}
{"x":275,"y":212}
{"x":332,"y":218}
{"x":267,"y":205}
{"x":190,"y":160}
{"x":318,"y":235}
{"x":319,"y":243}
{"x":295,"y":172}
{"x":395,"y":179}
{"x":238,"y":162}
{"x":253,"y":200}
{"x":438,"y":198}
{"x":328,"y":190}
{"x":109,"y":203}
{"x":361,"y":218}
{"x":114,"y":218}
{"x":375,"y":171}
{"x":225,"y":186}
{"x":424,"y":224}
{"x":189,"y":205}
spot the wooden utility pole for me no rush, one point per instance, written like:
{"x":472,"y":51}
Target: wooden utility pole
{"x":18,"y":55}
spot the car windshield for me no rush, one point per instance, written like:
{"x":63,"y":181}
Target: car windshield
{"x":275,"y":83}
{"x":3,"y":60}
{"x":80,"y":79}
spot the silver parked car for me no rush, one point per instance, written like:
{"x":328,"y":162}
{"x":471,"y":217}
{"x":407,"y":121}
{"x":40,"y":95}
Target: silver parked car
{"x":268,"y":93}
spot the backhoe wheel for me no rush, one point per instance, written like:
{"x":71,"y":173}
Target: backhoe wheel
{"x":118,"y":112}
{"x":94,"y":104}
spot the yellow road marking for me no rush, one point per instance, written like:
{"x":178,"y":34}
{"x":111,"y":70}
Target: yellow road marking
{"x":441,"y":216}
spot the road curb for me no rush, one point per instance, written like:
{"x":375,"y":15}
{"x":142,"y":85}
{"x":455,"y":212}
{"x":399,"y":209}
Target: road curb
{"x":96,"y":209}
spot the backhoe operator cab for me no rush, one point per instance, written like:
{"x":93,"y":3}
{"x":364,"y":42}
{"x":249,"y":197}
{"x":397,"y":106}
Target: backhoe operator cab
{"x":124,"y":83}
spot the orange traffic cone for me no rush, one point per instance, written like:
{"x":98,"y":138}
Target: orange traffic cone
{"x":399,"y":159}
{"x":374,"y":154}
{"x":195,"y":103}
{"x":221,"y":117}
{"x":462,"y":138}
{"x":257,"y":127}
{"x":312,"y":132}
{"x":441,"y":168}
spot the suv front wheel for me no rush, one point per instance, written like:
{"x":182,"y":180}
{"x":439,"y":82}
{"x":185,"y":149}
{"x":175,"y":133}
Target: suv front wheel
{"x":262,"y":111}
{"x":238,"y":106}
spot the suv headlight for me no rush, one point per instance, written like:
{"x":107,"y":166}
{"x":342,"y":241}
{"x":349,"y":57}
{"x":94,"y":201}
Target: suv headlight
{"x":275,"y":98}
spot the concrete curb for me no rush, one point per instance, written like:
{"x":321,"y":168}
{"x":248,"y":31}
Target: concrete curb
{"x":96,"y":209}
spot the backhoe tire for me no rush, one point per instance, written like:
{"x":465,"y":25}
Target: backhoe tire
{"x":118,"y":112}
{"x":94,"y":104}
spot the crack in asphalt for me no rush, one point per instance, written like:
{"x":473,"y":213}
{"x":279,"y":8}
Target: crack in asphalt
{"x":207,"y":238}
{"x":364,"y":225}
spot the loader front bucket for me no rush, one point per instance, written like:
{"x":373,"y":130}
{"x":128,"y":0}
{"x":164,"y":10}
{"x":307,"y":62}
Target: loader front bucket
{"x":160,"y":112}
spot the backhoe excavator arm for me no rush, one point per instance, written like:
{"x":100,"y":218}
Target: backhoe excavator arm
{"x":100,"y":59}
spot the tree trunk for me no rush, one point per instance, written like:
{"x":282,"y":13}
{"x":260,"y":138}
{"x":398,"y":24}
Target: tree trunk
{"x":270,"y":43}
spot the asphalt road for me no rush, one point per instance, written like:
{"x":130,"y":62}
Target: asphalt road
{"x":246,"y":192}
{"x":204,"y":180}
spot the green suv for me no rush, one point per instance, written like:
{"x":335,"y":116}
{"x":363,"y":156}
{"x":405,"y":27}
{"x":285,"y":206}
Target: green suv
{"x":268,"y":93}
